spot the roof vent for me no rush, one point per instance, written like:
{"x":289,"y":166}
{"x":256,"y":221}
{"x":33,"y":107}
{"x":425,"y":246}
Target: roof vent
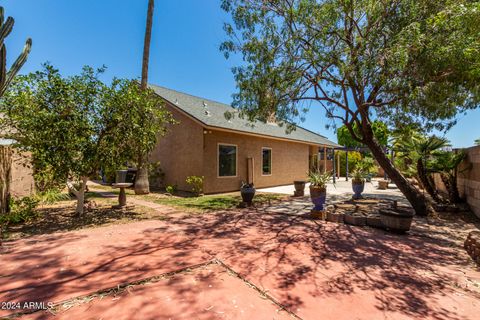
{"x":205,"y":109}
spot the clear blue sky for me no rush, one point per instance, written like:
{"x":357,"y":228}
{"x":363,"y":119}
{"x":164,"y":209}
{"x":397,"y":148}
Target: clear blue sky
{"x":184,"y":53}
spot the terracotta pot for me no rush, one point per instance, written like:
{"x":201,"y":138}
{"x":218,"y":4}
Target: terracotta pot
{"x":396,"y":220}
{"x":318,"y":196}
{"x":358,"y":187}
{"x":299,"y":188}
{"x":383,"y":184}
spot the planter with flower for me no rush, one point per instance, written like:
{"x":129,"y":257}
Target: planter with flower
{"x":358,"y":182}
{"x":318,"y":188}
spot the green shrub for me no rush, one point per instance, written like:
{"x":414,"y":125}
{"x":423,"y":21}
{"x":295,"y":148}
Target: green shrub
{"x":21,"y":210}
{"x":52,"y":196}
{"x":353,"y":158}
{"x":156,"y":175}
{"x":196,"y":184}
{"x":171,"y":189}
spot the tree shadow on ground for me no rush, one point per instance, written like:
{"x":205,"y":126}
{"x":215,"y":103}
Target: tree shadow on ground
{"x":62,"y":217}
{"x":300,"y":262}
{"x":291,"y":255}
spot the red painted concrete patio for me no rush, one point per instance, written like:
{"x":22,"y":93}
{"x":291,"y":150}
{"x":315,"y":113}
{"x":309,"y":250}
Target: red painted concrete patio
{"x":316,"y":270}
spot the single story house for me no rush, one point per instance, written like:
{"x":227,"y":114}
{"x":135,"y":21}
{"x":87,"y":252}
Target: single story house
{"x":227,"y":152}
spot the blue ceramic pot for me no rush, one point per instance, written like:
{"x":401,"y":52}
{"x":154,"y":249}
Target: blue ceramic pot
{"x":318,"y":196}
{"x":357,"y":188}
{"x":247,"y":194}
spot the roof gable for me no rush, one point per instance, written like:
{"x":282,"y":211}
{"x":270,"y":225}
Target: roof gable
{"x":212,"y":114}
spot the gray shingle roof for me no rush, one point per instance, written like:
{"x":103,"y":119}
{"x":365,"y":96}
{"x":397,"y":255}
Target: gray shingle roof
{"x":212,"y":114}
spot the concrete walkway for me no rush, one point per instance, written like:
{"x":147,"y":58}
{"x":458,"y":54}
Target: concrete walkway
{"x":341,"y":187}
{"x":240,"y":265}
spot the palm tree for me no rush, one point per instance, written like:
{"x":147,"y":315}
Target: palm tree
{"x":428,"y":148}
{"x":141,"y":183}
{"x":477,"y":142}
{"x":417,"y":153}
{"x":446,"y":164}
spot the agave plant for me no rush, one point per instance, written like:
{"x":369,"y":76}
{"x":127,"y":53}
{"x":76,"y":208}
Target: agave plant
{"x":6,"y":77}
{"x":318,"y":179}
{"x":358,"y":175}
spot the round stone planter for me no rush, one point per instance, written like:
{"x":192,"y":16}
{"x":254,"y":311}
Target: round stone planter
{"x":374,"y":220}
{"x":396,"y":220}
{"x":355,"y":219}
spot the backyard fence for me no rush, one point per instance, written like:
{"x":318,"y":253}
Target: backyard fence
{"x":468,"y":179}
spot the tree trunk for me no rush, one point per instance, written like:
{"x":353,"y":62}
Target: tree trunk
{"x":142,"y":185}
{"x":416,"y":198}
{"x":5,"y":177}
{"x":450,"y":183}
{"x":146,"y":45}
{"x":79,"y":194}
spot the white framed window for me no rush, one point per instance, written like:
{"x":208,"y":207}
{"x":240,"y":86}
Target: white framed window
{"x":266,"y":161}
{"x":227,"y":160}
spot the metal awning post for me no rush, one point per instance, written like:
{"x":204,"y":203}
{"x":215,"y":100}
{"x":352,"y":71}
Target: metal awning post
{"x":334,"y":167}
{"x":346,"y":165}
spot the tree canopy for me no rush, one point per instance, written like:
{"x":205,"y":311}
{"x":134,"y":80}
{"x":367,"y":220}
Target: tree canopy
{"x":403,"y":61}
{"x":380,"y":131}
{"x":73,"y":126}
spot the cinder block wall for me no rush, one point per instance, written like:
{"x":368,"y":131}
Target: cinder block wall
{"x":469,"y":179}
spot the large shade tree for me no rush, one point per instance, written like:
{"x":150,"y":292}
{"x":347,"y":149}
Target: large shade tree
{"x":400,"y":60}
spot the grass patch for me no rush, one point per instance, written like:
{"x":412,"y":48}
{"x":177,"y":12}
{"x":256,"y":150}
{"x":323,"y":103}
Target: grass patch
{"x":212,"y":202}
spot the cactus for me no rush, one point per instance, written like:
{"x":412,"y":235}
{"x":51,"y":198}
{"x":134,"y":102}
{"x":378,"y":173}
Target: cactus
{"x":6,"y":77}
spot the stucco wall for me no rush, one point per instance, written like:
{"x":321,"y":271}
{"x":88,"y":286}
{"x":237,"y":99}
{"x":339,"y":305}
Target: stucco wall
{"x":180,"y":152}
{"x":469,"y":179}
{"x":289,"y":161}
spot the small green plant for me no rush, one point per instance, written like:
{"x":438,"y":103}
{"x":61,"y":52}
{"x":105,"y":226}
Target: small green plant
{"x":358,"y":175}
{"x":21,"y":210}
{"x":196,"y":184}
{"x":171,"y":189}
{"x":156,"y":175}
{"x":318,"y":179}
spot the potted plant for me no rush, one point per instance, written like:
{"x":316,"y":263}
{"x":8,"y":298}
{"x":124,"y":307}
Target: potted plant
{"x":247,"y":191}
{"x":318,"y":188}
{"x":299,"y":188}
{"x":358,"y":182}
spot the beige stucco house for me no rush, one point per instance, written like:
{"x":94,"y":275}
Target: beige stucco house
{"x":227,"y":152}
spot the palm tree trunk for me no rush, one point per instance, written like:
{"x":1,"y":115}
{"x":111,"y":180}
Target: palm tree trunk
{"x":141,"y":181}
{"x":426,"y":181}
